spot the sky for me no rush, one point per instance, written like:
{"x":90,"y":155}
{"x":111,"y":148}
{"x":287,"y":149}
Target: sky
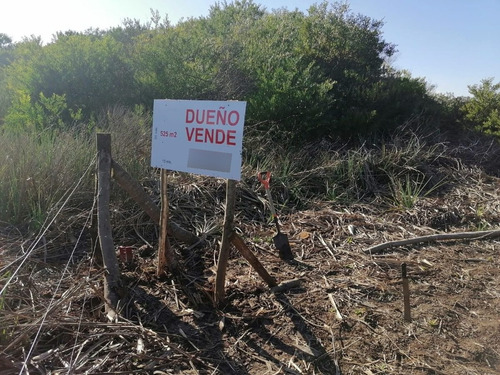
{"x":450,"y":43}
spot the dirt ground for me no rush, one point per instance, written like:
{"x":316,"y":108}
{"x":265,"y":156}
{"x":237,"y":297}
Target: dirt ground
{"x":344,"y":314}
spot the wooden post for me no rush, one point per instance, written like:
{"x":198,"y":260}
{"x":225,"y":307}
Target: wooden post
{"x":166,"y":255}
{"x":406,"y":294}
{"x":112,"y":279}
{"x":220,"y":278}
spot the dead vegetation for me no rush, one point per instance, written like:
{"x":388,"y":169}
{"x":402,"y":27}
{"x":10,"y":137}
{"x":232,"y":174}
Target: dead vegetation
{"x":343,"y":316}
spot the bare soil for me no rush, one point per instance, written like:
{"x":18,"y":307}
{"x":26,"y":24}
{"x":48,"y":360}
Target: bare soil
{"x":345,"y":315}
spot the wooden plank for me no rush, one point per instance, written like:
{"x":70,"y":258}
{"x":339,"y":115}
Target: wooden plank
{"x":220,"y":278}
{"x":112,"y":278}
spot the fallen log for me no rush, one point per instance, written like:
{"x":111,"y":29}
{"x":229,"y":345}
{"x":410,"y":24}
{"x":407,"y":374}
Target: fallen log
{"x":480,"y":235}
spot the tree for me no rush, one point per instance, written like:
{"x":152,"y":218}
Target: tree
{"x":90,"y":71}
{"x":483,"y":109}
{"x":6,"y":51}
{"x":171,"y":63}
{"x":6,"y":47}
{"x":307,"y":76}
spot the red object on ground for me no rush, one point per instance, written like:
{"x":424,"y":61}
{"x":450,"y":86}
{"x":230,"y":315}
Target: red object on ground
{"x":126,"y":254}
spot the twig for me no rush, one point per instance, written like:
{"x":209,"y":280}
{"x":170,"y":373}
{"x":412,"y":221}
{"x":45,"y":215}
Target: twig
{"x":406,"y":294}
{"x":338,"y":315}
{"x":286,"y":285}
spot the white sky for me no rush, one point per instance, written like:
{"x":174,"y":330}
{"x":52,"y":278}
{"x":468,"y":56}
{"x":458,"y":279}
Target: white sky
{"x":452,"y":43}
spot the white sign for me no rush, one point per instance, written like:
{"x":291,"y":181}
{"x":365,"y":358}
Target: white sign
{"x":203,"y":137}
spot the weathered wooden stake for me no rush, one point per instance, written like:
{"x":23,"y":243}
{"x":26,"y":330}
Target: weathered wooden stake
{"x":239,"y":244}
{"x":166,"y":255}
{"x":112,"y":278}
{"x":220,"y":278}
{"x":406,"y":294}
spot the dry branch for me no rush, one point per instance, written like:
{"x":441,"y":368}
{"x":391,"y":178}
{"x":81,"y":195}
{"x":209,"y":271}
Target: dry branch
{"x":239,"y":244}
{"x":406,"y":294}
{"x":481,"y":235}
{"x":137,"y":193}
{"x":338,"y":315}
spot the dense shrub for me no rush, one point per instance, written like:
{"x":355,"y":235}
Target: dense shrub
{"x":483,"y":110}
{"x":313,"y":75}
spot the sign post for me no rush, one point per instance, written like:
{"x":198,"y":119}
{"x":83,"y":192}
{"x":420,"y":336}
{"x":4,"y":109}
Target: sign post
{"x":203,"y":137}
{"x":166,"y":255}
{"x":220,"y":276}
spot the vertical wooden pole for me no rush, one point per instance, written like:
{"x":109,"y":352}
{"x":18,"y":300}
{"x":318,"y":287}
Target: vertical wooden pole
{"x":166,"y":255}
{"x":112,"y":279}
{"x":406,"y":294}
{"x":220,"y":278}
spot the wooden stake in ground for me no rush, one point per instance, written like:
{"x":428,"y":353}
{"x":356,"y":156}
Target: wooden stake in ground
{"x":112,"y":279}
{"x":406,"y":294}
{"x":220,"y":278}
{"x":166,"y":255}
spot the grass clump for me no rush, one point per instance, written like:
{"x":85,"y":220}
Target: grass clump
{"x":399,"y":169}
{"x":406,"y":191}
{"x":37,"y":171}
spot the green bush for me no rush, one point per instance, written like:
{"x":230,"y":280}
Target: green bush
{"x":483,"y":109}
{"x":311,"y":75}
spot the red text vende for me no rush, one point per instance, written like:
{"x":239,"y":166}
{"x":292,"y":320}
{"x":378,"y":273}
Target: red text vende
{"x":211,"y":117}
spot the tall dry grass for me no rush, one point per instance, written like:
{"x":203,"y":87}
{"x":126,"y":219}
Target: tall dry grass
{"x":347,"y":173}
{"x":38,"y":170}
